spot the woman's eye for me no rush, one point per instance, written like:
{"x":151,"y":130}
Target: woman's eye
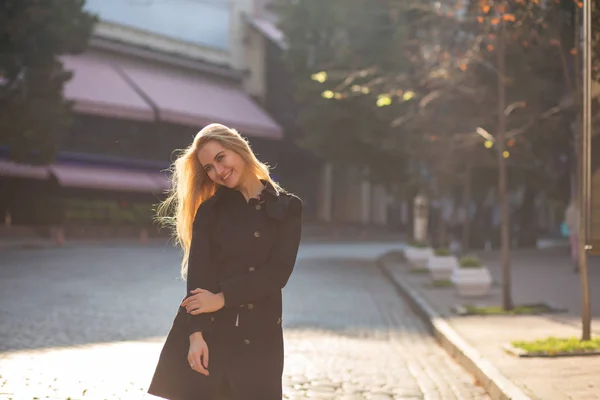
{"x":219,"y":158}
{"x":207,"y":168}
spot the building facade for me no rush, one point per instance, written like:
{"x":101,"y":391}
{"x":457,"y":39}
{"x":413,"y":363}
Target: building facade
{"x":154,"y":74}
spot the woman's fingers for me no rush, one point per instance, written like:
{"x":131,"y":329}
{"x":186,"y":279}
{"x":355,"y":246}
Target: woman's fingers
{"x":198,"y":354}
{"x":205,"y":356}
{"x":202,"y":359}
{"x":190,"y":306}
{"x":196,"y":360}
{"x":194,"y":305}
{"x":187,"y":300}
{"x":200,"y":368}
{"x":196,"y":311}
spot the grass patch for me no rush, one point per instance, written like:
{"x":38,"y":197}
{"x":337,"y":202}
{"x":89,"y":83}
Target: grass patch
{"x":439,"y":284}
{"x":470,"y":262}
{"x":525,"y":309}
{"x":417,"y":244}
{"x":418,"y":270}
{"x":554,"y":347}
{"x":443,"y":252}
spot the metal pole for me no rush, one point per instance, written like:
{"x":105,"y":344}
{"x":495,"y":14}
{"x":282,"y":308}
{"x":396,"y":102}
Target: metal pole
{"x":585,"y":189}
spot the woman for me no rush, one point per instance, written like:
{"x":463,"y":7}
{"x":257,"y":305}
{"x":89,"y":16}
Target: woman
{"x":240,"y":234}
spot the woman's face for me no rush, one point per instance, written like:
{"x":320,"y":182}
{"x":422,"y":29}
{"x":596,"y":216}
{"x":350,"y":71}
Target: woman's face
{"x":223,"y":166}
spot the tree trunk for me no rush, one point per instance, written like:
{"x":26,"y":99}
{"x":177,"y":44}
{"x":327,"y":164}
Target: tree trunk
{"x":502,"y":173}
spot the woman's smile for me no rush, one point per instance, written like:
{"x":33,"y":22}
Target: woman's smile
{"x":227,"y":175}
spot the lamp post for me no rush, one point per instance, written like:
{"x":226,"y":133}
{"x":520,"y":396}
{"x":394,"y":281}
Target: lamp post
{"x":585,"y":171}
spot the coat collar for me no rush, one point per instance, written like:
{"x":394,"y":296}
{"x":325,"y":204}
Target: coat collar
{"x":268,"y":193}
{"x":274,"y":205}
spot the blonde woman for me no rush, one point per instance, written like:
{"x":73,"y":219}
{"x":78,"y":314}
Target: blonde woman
{"x":240,"y":234}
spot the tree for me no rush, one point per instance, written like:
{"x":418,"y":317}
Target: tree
{"x":368,"y":68}
{"x":33,"y":113}
{"x":498,"y":58}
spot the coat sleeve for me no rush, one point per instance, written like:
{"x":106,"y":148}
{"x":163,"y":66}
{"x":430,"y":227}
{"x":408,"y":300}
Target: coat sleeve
{"x":201,"y":272}
{"x":273,"y":276}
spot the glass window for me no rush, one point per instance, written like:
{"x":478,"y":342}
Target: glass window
{"x":204,"y":22}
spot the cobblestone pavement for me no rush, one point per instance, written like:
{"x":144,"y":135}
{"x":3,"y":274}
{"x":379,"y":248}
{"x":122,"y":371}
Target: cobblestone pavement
{"x":88,"y":323}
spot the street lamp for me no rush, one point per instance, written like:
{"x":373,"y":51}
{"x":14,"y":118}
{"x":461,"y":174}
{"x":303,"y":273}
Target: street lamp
{"x":585,"y":170}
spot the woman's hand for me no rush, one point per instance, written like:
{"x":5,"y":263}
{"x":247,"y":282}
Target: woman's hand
{"x":198,"y":353}
{"x":203,"y":301}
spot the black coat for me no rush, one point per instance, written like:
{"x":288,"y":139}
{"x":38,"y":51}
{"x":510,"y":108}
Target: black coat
{"x":247,"y":250}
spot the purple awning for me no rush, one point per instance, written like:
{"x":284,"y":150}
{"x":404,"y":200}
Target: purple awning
{"x":109,"y":179}
{"x":9,"y":168}
{"x":122,"y":87}
{"x":97,"y":88}
{"x":192,"y":99}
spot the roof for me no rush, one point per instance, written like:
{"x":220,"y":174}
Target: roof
{"x":123,"y":87}
{"x":191,"y":99}
{"x":269,"y":30}
{"x":97,"y":88}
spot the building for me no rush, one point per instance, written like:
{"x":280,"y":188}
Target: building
{"x":154,"y":74}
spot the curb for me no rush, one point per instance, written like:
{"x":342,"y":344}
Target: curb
{"x":493,"y":381}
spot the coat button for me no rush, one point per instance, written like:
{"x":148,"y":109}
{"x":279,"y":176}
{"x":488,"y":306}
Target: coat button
{"x":257,"y":234}
{"x":250,"y":306}
{"x":251,"y":269}
{"x":246,"y":341}
{"x":257,"y":207}
{"x":278,"y":321}
{"x":212,"y":319}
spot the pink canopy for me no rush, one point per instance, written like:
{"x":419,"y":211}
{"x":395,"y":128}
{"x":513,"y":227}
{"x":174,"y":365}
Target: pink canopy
{"x":192,"y":99}
{"x":9,"y":168}
{"x":121,"y":87}
{"x":109,"y":179}
{"x":98,"y":89}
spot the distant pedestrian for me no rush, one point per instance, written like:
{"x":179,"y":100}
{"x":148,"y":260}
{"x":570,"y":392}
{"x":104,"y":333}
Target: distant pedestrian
{"x":240,"y":234}
{"x":572,"y":222}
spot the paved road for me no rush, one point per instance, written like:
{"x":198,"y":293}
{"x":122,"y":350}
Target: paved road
{"x":88,"y":323}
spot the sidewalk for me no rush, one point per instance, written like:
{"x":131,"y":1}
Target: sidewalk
{"x":537,"y":276}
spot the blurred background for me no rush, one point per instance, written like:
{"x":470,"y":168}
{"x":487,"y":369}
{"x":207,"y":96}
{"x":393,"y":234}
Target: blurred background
{"x":414,"y":131}
{"x":359,"y":106}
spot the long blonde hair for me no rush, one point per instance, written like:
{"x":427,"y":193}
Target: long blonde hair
{"x":191,"y":185}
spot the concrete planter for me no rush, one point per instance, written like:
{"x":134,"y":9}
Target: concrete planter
{"x":472,"y":282}
{"x":441,"y":267}
{"x":418,"y":257}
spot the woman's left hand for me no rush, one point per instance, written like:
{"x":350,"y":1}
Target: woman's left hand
{"x":202,"y":301}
